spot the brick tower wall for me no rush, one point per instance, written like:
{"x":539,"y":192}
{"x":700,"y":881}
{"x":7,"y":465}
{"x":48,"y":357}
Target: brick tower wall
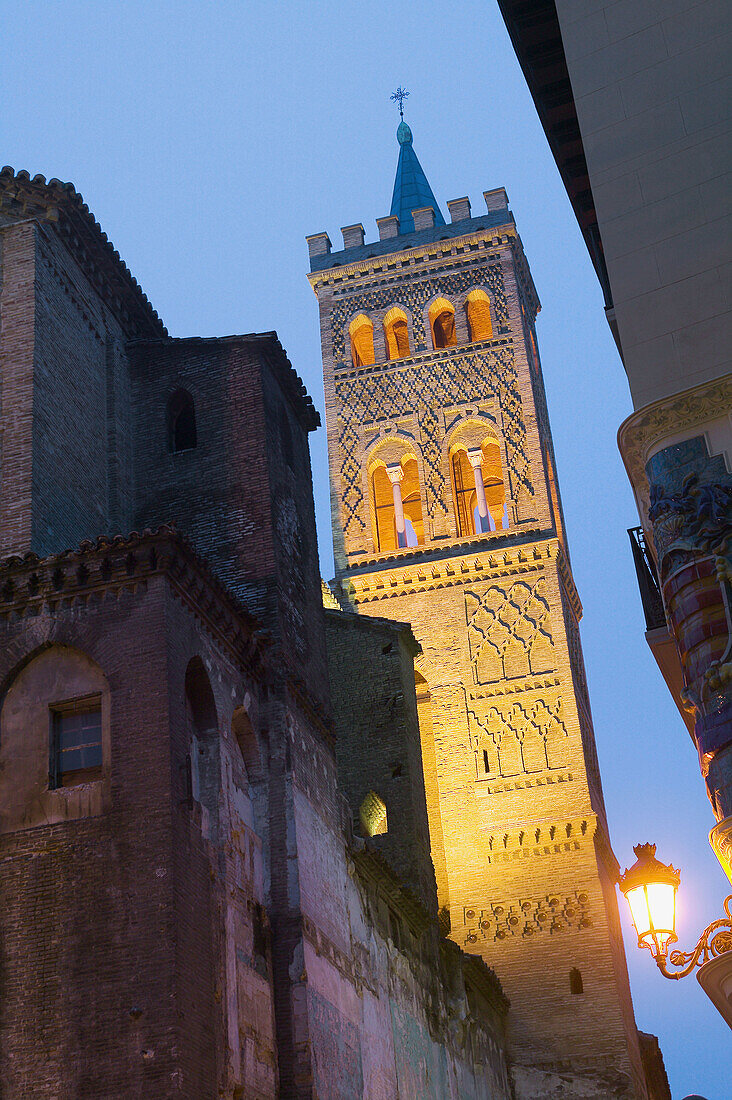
{"x":242,"y":496}
{"x":138,"y":894}
{"x":529,"y":869}
{"x":65,"y":422}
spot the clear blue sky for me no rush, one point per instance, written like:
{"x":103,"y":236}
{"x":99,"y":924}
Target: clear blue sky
{"x":209,"y":138}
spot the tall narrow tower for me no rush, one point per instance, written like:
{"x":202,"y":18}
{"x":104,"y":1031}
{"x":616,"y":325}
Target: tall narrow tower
{"x":446,"y":514}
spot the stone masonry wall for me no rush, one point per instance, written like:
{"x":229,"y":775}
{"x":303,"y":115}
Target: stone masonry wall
{"x":371,"y":665}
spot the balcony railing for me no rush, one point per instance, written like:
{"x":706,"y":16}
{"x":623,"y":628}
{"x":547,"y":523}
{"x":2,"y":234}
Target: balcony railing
{"x":645,"y":569}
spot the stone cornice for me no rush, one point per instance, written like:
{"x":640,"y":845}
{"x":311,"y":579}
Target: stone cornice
{"x":378,"y":879}
{"x":667,"y":417}
{"x":478,"y":974}
{"x":426,"y":257}
{"x":395,"y":577}
{"x":720,"y":839}
{"x":376,"y":875}
{"x":373,"y":622}
{"x":30,"y":585}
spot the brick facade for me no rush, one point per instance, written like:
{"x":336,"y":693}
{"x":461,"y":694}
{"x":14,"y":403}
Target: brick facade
{"x":197,"y":918}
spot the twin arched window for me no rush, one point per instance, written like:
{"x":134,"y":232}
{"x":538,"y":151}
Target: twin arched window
{"x":479,"y":491}
{"x":442,"y":325}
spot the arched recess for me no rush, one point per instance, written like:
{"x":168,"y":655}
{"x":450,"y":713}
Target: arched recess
{"x":253,"y":754}
{"x":181,"y":420}
{"x":478,"y":313}
{"x":373,"y":815}
{"x":576,"y":984}
{"x":204,"y":738}
{"x":442,"y":323}
{"x":396,"y":334}
{"x":55,"y":742}
{"x":361,"y":331}
{"x":431,"y":788}
{"x":475,"y":461}
{"x":393,"y":475}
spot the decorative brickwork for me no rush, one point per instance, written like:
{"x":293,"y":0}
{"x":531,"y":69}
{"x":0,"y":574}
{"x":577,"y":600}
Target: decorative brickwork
{"x":516,"y":815}
{"x":509,"y":632}
{"x":424,"y":387}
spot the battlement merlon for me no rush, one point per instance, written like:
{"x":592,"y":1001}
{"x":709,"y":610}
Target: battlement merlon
{"x":358,"y":257}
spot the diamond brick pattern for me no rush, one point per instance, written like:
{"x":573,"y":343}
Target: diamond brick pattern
{"x":423,"y":388}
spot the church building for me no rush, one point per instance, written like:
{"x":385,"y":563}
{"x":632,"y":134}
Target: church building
{"x":260,"y":837}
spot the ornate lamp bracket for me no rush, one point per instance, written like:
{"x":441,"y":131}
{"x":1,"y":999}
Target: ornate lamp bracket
{"x":716,"y":939}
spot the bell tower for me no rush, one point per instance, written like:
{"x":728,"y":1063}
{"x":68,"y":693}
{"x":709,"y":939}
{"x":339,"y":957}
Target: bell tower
{"x":446,"y":514}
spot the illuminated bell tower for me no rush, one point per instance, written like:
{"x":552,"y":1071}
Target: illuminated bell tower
{"x":446,"y":515}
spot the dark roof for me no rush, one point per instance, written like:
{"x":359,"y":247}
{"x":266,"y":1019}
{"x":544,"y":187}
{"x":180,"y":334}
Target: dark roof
{"x":533,"y":26}
{"x":61,"y":206}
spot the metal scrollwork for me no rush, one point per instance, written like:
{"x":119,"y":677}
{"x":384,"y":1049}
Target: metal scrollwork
{"x":716,"y":939}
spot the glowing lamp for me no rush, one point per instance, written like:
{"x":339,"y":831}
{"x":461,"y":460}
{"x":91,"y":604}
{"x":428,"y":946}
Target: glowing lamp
{"x":650,"y":890}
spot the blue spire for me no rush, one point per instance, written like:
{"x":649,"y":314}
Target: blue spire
{"x":411,"y":189}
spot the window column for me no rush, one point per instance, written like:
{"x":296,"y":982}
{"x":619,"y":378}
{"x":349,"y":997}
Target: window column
{"x":475,"y":458}
{"x":395,"y":474}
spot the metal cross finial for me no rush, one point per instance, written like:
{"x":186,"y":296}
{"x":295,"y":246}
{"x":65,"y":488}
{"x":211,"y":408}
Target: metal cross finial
{"x":399,"y":96}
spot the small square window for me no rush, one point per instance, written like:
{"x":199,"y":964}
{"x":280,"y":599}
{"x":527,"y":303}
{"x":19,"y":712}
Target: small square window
{"x":76,"y":742}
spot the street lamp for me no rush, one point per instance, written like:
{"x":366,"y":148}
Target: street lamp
{"x":650,"y":890}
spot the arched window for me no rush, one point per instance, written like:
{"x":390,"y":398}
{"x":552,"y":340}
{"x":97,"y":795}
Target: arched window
{"x":253,"y":749}
{"x":54,"y":731}
{"x":373,"y":815}
{"x":362,"y":340}
{"x":397,"y":505}
{"x":396,"y":334}
{"x":471,"y":468}
{"x":478,"y":310}
{"x":575,"y":981}
{"x":181,"y":422}
{"x":442,"y":324}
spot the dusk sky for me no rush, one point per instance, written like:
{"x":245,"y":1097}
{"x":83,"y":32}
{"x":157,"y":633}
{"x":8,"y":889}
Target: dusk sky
{"x":209,"y":138}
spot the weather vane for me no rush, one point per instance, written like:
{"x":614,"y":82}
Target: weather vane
{"x":399,"y":96}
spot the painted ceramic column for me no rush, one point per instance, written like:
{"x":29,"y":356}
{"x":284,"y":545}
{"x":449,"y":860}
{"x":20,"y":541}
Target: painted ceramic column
{"x":475,"y":458}
{"x":395,"y":474}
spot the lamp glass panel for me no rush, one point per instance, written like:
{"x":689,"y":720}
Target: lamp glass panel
{"x":662,"y":905}
{"x":639,"y":911}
